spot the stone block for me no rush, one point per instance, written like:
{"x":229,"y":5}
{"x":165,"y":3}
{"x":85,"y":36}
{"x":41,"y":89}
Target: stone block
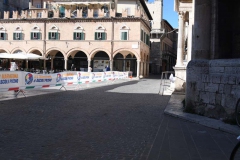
{"x":221,"y":88}
{"x":216,"y":70}
{"x":204,"y":96}
{"x":218,"y":99}
{"x":212,"y":98}
{"x":223,"y":100}
{"x":205,"y":78}
{"x":230,"y":70}
{"x":225,"y":63}
{"x":224,"y":79}
{"x":235,"y":90}
{"x":238,"y":79}
{"x":200,"y":86}
{"x":216,"y":78}
{"x":227,"y":89}
{"x":205,"y":70}
{"x":230,"y":101}
{"x":210,"y":87}
{"x":232,"y":80}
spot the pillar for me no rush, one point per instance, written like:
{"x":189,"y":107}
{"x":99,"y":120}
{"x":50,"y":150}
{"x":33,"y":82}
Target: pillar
{"x":44,"y":64}
{"x":138,"y":67}
{"x":89,"y":65}
{"x":111,"y":65}
{"x":180,"y":48}
{"x":65,"y":64}
{"x":27,"y":64}
{"x":141,"y":70}
{"x":189,"y":45}
{"x":52,"y":62}
{"x":124,"y":65}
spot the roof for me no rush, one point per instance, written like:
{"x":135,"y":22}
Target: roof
{"x":146,"y":9}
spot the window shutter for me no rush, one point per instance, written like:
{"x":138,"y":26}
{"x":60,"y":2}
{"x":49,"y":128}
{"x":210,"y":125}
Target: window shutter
{"x":14,"y":36}
{"x":21,"y":36}
{"x":103,"y":36}
{"x":74,"y":35}
{"x":82,"y":36}
{"x":96,"y":36}
{"x":141,"y":35}
{"x":4,"y":36}
{"x":39,"y":35}
{"x":125,"y":35}
{"x":122,"y":36}
{"x":31,"y":35}
{"x":49,"y":35}
{"x":58,"y":36}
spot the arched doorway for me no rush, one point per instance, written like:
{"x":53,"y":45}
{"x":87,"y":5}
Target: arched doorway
{"x":4,"y":63}
{"x":80,"y":61}
{"x":58,"y":62}
{"x":129,"y":63}
{"x":100,"y":61}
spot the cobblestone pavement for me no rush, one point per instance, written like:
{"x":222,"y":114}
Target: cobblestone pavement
{"x":123,"y":121}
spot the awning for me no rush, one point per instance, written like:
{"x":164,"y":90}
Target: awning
{"x":20,"y":55}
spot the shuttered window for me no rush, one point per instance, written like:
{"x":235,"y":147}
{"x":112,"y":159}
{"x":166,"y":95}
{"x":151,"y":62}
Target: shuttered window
{"x":124,"y":36}
{"x":100,"y":36}
{"x":78,"y":36}
{"x":53,"y":35}
{"x":17,"y":36}
{"x":35,"y":35}
{"x":3,"y":36}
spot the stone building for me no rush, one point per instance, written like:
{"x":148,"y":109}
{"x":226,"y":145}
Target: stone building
{"x":213,"y":80}
{"x":83,"y":33}
{"x":12,"y":5}
{"x":162,"y":43}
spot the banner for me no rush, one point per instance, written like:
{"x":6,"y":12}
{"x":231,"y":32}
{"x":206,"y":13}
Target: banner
{"x":15,"y":80}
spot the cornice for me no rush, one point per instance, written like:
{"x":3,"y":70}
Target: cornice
{"x":74,"y":20}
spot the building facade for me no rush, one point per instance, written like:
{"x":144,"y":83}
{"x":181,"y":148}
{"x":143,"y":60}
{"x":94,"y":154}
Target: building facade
{"x":96,"y":34}
{"x":163,"y":51}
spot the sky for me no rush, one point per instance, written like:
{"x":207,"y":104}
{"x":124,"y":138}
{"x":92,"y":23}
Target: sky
{"x":168,"y":12}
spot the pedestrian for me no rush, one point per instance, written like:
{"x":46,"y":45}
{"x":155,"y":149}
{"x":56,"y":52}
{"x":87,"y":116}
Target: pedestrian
{"x":72,"y":67}
{"x":108,"y":68}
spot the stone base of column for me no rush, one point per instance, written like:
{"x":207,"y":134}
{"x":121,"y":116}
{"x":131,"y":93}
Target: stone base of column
{"x":180,"y":80}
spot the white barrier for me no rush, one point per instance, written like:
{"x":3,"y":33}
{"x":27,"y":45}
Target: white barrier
{"x":16,"y":80}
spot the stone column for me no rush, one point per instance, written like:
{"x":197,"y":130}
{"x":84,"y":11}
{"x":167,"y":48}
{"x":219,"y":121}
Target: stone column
{"x":141,"y":70}
{"x":124,"y":65}
{"x":189,"y":45}
{"x":147,"y":69}
{"x":65,"y":64}
{"x":52,"y":62}
{"x":111,"y":65}
{"x":89,"y":65}
{"x":44,"y":64}
{"x":27,"y":64}
{"x":138,"y":67}
{"x":180,"y":48}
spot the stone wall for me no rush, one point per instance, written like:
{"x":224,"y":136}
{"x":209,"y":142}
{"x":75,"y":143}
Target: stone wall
{"x":213,"y":87}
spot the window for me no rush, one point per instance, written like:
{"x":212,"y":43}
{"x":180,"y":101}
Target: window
{"x":39,"y":14}
{"x":2,"y":36}
{"x":124,"y":35}
{"x":78,"y":36}
{"x":53,"y":35}
{"x":100,"y":36}
{"x":35,"y":35}
{"x":17,"y":36}
{"x":39,"y":6}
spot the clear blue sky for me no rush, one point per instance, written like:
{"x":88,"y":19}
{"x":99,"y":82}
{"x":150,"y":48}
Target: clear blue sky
{"x":168,"y":12}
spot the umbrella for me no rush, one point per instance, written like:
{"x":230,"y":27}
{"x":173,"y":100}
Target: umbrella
{"x":21,"y":55}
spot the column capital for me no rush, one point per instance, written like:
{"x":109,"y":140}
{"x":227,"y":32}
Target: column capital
{"x":181,"y":14}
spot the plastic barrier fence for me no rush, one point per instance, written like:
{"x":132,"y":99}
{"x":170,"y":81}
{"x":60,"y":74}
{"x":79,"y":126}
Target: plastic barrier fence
{"x":16,"y":80}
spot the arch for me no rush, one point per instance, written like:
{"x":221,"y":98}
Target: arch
{"x":129,"y":50}
{"x":18,"y":48}
{"x":57,"y":49}
{"x":93,"y":52}
{"x":6,"y":51}
{"x":77,"y":50}
{"x":35,"y":48}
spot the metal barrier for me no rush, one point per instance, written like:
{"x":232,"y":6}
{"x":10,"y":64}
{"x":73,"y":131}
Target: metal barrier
{"x":164,"y":77}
